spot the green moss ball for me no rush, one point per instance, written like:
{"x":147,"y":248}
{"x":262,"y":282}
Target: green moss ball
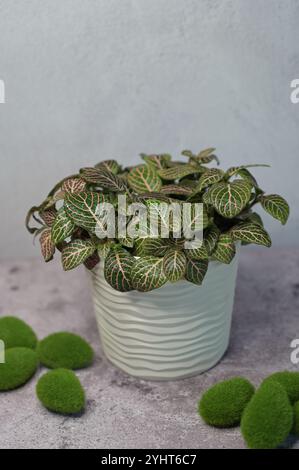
{"x":61,"y":391}
{"x":296,"y":419}
{"x":268,"y":418}
{"x":65,"y":350}
{"x":19,"y":366}
{"x":223,"y":404}
{"x":16,"y":333}
{"x":290,"y":382}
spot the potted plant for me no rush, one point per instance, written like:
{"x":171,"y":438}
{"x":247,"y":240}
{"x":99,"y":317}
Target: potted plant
{"x":163,"y":303}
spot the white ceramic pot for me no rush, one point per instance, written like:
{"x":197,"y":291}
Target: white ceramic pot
{"x":173,"y":332}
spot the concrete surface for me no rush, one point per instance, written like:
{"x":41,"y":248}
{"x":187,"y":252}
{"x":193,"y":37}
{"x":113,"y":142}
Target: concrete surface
{"x":123,"y":412}
{"x":87,"y":80}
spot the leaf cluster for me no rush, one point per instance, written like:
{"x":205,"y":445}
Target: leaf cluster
{"x":68,"y":220}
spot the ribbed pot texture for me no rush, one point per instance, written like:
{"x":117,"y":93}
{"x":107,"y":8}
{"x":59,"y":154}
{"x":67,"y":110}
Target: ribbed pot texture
{"x":173,"y":332}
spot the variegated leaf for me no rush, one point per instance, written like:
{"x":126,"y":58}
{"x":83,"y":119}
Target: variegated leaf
{"x":211,"y":235}
{"x":117,"y":269}
{"x":176,"y":190}
{"x":49,"y":216}
{"x":104,"y":178}
{"x":148,"y":274}
{"x":225,"y":249}
{"x":197,"y":253}
{"x":276,"y":206}
{"x":144,"y":178}
{"x":229,"y":199}
{"x":198,"y":220}
{"x":152,"y":246}
{"x":110,"y":165}
{"x":46,"y":244}
{"x":104,"y":248}
{"x":62,"y":228}
{"x":73,"y":185}
{"x":81,"y":208}
{"x":250,"y":233}
{"x":247,"y":176}
{"x":196,"y":270}
{"x":174,"y":265}
{"x":208,"y":178}
{"x":157,"y":161}
{"x":75,"y":253}
{"x":127,"y":242}
{"x":178,"y":172}
{"x":92,"y":261}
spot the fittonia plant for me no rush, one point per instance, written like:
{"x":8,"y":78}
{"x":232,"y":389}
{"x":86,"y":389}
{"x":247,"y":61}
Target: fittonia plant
{"x":69,"y":220}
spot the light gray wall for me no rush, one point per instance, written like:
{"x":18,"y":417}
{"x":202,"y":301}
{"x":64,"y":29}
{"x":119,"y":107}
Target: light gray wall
{"x":93,"y":79}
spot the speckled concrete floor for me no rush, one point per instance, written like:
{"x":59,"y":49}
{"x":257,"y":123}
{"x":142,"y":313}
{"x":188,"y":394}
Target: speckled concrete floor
{"x":123,"y":412}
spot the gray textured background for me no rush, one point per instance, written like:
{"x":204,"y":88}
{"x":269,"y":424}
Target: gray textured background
{"x":87,"y":80}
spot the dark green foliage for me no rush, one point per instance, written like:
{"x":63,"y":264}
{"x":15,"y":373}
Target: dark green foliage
{"x":290,"y":381}
{"x":61,"y":391}
{"x":268,"y":418}
{"x":14,"y":332}
{"x":223,"y":404}
{"x":71,"y":223}
{"x":20,"y":365}
{"x":66,"y":350}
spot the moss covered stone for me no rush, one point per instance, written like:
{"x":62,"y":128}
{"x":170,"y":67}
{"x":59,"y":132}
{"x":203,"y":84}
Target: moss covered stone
{"x":19,"y":366}
{"x":290,"y":381}
{"x":296,"y":419}
{"x":61,"y":391}
{"x":65,"y":350}
{"x":16,"y":333}
{"x":268,"y":418}
{"x":223,"y":404}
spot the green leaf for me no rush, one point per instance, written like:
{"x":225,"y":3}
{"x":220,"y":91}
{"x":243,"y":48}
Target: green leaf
{"x":147,"y":273}
{"x":208,"y":178}
{"x":225,"y":249}
{"x":250,"y":233}
{"x":117,"y":269}
{"x":197,"y":253}
{"x":176,"y":189}
{"x":144,"y":178}
{"x":276,"y":206}
{"x":211,"y":235}
{"x":104,"y":178}
{"x":128,"y":242}
{"x":157,"y":161}
{"x":174,"y":265}
{"x":75,"y":253}
{"x":62,"y":228}
{"x":247,"y":176}
{"x":152,"y":246}
{"x":81,"y":208}
{"x":196,"y":270}
{"x":46,"y":244}
{"x":178,"y":172}
{"x":229,"y":199}
{"x":110,"y":165}
{"x":255,"y":219}
{"x":73,"y":185}
{"x":104,"y":248}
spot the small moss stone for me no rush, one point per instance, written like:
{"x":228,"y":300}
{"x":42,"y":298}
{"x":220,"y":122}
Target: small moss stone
{"x":223,"y":404}
{"x":16,"y":333}
{"x":19,"y":366}
{"x":290,"y":382}
{"x":61,"y":391}
{"x":296,"y":419}
{"x":65,"y":350}
{"x":268,"y":418}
